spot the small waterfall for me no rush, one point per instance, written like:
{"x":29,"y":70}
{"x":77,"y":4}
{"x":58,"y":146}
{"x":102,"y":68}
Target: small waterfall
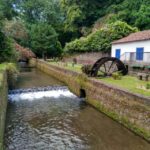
{"x":39,"y":92}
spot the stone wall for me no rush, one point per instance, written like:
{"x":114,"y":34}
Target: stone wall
{"x":3,"y":105}
{"x":87,"y":58}
{"x":131,"y":110}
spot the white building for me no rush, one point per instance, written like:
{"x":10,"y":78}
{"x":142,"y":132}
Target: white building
{"x":133,"y":48}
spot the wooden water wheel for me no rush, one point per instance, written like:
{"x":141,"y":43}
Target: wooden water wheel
{"x":106,"y":66}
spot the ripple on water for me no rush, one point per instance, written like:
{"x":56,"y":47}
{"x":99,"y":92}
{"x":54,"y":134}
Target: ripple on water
{"x":63,"y":122}
{"x":43,"y":123}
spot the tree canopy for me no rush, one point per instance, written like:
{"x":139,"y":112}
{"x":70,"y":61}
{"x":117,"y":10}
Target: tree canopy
{"x":45,"y":25}
{"x":44,"y":39}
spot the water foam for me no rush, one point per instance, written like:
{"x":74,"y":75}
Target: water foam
{"x":40,"y":94}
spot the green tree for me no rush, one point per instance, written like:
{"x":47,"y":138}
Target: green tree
{"x":79,"y":14}
{"x":7,"y":9}
{"x":33,"y":11}
{"x":44,"y":40}
{"x":17,"y":30}
{"x":135,"y":12}
{"x":143,"y":17}
{"x":42,"y":11}
{"x":7,"y":51}
{"x":73,"y":19}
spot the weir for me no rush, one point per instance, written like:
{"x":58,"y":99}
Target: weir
{"x":39,"y":92}
{"x":37,"y":89}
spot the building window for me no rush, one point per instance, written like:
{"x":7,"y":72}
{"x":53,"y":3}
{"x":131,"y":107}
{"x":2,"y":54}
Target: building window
{"x":139,"y":53}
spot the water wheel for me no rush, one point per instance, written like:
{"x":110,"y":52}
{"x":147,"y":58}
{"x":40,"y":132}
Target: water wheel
{"x":106,"y":66}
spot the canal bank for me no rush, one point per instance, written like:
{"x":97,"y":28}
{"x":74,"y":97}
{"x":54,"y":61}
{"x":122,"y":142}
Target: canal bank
{"x":131,"y":110}
{"x":3,"y":105}
{"x":8,"y":75}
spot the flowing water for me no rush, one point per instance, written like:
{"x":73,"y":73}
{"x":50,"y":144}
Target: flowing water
{"x":53,"y":118}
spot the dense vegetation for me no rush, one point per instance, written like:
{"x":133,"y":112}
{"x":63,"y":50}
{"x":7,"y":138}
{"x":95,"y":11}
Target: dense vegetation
{"x":7,"y":52}
{"x":44,"y":40}
{"x":101,"y":39}
{"x":46,"y":26}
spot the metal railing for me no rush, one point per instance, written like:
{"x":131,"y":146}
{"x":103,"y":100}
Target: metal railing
{"x":132,"y":57}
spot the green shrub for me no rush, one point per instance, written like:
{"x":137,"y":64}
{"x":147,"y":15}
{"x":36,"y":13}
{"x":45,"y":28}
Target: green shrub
{"x":1,"y":78}
{"x":117,"y":76}
{"x":86,"y":69}
{"x":101,"y":39}
{"x":7,"y":50}
{"x":148,"y":86}
{"x":44,"y":40}
{"x":12,"y":73}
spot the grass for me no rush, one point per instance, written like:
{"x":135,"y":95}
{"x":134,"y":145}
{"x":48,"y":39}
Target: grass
{"x":129,"y":83}
{"x":70,"y":66}
{"x":3,"y":66}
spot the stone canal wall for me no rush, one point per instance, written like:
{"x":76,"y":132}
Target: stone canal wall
{"x":3,"y":104}
{"x":131,"y":110}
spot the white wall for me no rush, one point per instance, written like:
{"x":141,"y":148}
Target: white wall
{"x":131,"y":47}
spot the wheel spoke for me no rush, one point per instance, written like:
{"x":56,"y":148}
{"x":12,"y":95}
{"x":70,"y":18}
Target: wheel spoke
{"x":111,"y":66}
{"x":102,"y":71}
{"x":105,"y":68}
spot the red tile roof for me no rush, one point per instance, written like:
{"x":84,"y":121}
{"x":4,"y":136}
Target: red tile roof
{"x":138,"y":36}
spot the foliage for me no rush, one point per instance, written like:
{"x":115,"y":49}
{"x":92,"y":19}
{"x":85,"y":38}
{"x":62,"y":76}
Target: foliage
{"x":72,"y":19}
{"x":148,"y":86}
{"x":79,"y":14}
{"x":85,"y":31}
{"x":7,"y":9}
{"x":135,"y":12}
{"x":30,"y":13}
{"x":40,"y":11}
{"x":17,"y":30}
{"x":44,"y":39}
{"x":143,"y":17}
{"x":117,"y":76}
{"x":12,"y":73}
{"x":24,"y":53}
{"x":7,"y":51}
{"x":12,"y":68}
{"x":101,"y":39}
{"x":86,"y":69}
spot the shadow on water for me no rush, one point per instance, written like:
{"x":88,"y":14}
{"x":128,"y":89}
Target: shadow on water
{"x":58,"y":120}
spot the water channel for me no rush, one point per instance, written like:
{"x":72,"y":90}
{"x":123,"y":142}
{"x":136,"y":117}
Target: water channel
{"x":58,"y":120}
